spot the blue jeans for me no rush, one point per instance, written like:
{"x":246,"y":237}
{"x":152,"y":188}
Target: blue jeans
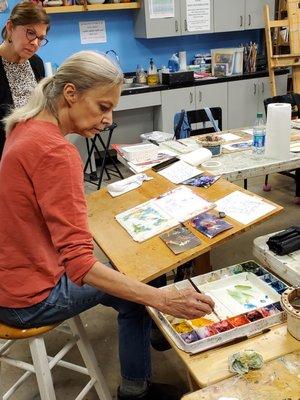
{"x":68,"y":299}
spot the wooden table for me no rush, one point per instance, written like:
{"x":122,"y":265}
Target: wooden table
{"x":152,"y":258}
{"x":276,"y":380}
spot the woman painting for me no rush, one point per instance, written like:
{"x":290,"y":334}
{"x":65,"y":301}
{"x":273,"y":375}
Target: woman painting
{"x":48,"y":272}
{"x":20,"y":68}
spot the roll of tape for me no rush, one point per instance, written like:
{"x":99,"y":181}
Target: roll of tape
{"x":211,"y":165}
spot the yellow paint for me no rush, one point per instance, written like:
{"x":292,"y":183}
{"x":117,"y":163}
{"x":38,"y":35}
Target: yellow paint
{"x":200,"y":322}
{"x":183,"y":327}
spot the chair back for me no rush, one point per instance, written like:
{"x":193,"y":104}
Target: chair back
{"x":290,"y":98}
{"x":198,"y":116}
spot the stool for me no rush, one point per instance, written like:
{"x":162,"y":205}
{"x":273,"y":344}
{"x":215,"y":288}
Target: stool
{"x":106,"y":156}
{"x":43,"y":364}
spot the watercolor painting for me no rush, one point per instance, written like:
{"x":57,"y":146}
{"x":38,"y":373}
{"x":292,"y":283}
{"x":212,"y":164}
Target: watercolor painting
{"x":145,"y":221}
{"x":240,"y":293}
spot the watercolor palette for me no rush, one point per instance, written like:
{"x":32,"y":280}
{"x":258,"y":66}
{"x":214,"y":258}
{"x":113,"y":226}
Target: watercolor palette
{"x":247,"y":299}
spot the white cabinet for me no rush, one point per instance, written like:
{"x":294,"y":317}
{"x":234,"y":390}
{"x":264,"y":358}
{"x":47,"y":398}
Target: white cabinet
{"x":148,"y":25}
{"x":254,"y":16}
{"x":245,"y":99}
{"x":237,"y":15}
{"x":229,"y":15}
{"x":192,"y":98}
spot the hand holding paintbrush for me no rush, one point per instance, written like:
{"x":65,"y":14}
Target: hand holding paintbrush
{"x":199,"y":291}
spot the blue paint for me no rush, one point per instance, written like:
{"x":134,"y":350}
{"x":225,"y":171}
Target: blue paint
{"x":249,"y":306}
{"x":278,"y":286}
{"x":64,"y":39}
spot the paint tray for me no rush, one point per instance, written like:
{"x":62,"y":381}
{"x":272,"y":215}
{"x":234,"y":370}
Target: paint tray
{"x":247,"y":299}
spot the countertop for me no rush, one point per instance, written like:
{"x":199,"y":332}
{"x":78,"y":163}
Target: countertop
{"x":203,"y":81}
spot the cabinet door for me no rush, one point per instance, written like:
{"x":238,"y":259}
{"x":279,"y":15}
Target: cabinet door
{"x":242,"y":103}
{"x":214,"y":95}
{"x":254,"y":13}
{"x":229,"y":15}
{"x":173,"y":101}
{"x":149,"y":24}
{"x":196,"y":18}
{"x":264,"y":89}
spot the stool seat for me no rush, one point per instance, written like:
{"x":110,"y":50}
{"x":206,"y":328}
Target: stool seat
{"x":12,"y":333}
{"x":42,"y":363}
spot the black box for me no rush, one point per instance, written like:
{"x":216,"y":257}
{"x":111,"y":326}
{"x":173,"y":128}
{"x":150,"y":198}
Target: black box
{"x":173,"y":78}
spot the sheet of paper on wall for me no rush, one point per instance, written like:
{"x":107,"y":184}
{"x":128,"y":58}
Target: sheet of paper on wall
{"x":179,"y":172}
{"x":92,"y":32}
{"x":198,"y":15}
{"x":161,"y":9}
{"x":243,"y":207}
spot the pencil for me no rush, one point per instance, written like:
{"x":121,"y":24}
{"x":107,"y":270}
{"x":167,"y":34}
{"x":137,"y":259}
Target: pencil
{"x":199,"y":291}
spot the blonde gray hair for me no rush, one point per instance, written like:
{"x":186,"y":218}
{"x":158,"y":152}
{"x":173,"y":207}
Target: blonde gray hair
{"x":85,"y":70}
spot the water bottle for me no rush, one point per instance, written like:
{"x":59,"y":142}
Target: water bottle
{"x":259,"y":136}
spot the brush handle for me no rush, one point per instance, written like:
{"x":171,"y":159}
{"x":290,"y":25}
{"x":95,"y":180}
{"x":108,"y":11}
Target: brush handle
{"x":199,"y":291}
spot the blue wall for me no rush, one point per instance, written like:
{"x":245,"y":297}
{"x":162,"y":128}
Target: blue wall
{"x":64,"y":39}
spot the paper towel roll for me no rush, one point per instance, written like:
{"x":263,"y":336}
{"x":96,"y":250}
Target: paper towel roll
{"x":197,"y":157}
{"x":278,"y":131}
{"x":48,"y":69}
{"x":182,"y":61}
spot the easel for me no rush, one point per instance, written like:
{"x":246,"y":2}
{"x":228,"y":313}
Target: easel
{"x":285,"y":60}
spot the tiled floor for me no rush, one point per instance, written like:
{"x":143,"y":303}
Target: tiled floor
{"x":101,"y":322}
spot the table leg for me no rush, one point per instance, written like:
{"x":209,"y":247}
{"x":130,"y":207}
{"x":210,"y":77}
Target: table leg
{"x":202,"y":264}
{"x":193,"y":386}
{"x":297,"y":180}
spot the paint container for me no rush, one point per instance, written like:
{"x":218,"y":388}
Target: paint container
{"x":182,"y":327}
{"x":290,"y":301}
{"x":223,"y":326}
{"x":254,"y":315}
{"x":189,"y":337}
{"x":239,"y":320}
{"x":279,"y":286}
{"x":206,"y":332}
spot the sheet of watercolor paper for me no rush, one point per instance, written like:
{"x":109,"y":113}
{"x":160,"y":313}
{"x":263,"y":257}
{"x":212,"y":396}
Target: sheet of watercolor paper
{"x":240,"y":293}
{"x":145,"y":220}
{"x":227,"y":137}
{"x":179,"y":172}
{"x":183,"y":203}
{"x":243,"y":207}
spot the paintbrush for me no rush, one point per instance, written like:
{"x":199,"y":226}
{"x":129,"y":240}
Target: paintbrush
{"x":199,"y":291}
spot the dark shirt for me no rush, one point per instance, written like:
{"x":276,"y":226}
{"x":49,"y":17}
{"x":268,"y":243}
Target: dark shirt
{"x":6,"y":100}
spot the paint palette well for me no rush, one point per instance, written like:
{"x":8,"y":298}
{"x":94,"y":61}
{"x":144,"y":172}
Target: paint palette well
{"x":247,"y":300}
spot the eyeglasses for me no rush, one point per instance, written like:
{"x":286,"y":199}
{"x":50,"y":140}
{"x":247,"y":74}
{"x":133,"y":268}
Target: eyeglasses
{"x":31,"y":36}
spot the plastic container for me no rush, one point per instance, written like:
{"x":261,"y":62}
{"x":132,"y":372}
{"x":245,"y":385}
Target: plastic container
{"x":140,"y":153}
{"x":259,"y":136}
{"x":152,"y":74}
{"x":141,"y":76}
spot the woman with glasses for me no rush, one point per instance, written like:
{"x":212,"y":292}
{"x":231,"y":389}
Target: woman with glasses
{"x":20,"y":68}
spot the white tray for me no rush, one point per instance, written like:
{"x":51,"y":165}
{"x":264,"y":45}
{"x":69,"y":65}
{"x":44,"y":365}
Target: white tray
{"x":216,"y":284}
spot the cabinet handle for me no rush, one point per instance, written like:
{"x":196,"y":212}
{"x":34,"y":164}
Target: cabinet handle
{"x":176,"y":25}
{"x":185,"y":25}
{"x":191,"y":98}
{"x":255,"y":88}
{"x":249,"y":20}
{"x":200,"y":96}
{"x":242,"y":21}
{"x":263,"y":87}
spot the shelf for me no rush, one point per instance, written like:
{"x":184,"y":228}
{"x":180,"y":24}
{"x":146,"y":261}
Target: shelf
{"x":93,"y":7}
